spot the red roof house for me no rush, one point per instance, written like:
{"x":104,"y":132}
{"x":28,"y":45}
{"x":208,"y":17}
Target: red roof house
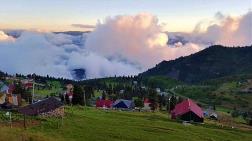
{"x":147,"y":101}
{"x":104,"y":103}
{"x":187,"y":111}
{"x":147,"y":104}
{"x":28,"y":85}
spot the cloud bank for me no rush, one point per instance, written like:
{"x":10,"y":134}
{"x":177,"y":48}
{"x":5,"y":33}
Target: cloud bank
{"x":224,"y":30}
{"x":138,"y":40}
{"x":120,"y":45}
{"x":56,"y":55}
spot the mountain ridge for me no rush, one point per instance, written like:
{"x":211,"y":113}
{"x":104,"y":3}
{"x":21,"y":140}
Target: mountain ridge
{"x":213,"y":62}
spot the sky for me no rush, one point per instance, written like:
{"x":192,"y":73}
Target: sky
{"x":60,"y":15}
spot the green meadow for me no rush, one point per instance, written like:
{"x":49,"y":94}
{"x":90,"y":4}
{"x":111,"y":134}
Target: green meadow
{"x":90,"y":124}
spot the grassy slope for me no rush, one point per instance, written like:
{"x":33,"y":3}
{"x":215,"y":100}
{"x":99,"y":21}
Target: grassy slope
{"x":56,"y":88}
{"x":161,"y":82}
{"x":15,"y":134}
{"x":91,"y":125}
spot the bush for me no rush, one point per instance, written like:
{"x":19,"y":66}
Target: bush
{"x":250,"y":122}
{"x":235,"y":113}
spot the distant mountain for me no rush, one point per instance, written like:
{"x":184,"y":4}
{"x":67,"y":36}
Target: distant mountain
{"x":73,"y":33}
{"x":213,"y":62}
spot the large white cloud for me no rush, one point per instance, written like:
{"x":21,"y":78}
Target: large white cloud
{"x":56,"y":55}
{"x":225,"y":30}
{"x":138,"y":39}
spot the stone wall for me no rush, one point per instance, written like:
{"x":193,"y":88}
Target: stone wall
{"x":59,"y":112}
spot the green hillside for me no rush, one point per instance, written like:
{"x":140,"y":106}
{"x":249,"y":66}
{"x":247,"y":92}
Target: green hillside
{"x":213,"y":62}
{"x":90,"y":124}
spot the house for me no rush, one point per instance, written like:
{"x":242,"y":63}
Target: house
{"x":4,"y":88}
{"x":158,"y":90}
{"x":209,"y":113}
{"x":16,"y":99}
{"x":7,"y":96}
{"x":103,"y":103}
{"x":121,"y":91}
{"x":2,"y":98}
{"x":213,"y":116}
{"x":47,"y":108}
{"x":146,"y":104}
{"x":123,"y":104}
{"x":187,"y":110}
{"x":69,"y":88}
{"x":135,"y":82}
{"x":69,"y":92}
{"x":27,"y":83}
{"x":246,"y":90}
{"x":3,"y":91}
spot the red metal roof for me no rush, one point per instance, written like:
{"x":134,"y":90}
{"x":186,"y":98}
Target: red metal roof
{"x":70,"y":94}
{"x":28,"y":85}
{"x":104,"y":103}
{"x":186,"y":106}
{"x":146,"y":100}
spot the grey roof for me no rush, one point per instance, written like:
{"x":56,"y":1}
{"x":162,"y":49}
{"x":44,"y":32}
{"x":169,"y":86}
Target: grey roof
{"x":42,"y":106}
{"x":4,"y":88}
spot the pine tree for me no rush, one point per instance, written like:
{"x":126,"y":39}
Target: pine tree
{"x":78,"y":95}
{"x":153,"y":97}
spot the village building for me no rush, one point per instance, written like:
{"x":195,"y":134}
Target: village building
{"x":7,"y":98}
{"x":104,"y":103}
{"x":209,"y":113}
{"x":213,"y":116}
{"x":46,"y":108}
{"x":135,"y":82}
{"x":28,"y":84}
{"x":123,"y":104}
{"x":69,"y":92}
{"x":146,"y":105}
{"x":187,"y":110}
{"x":69,"y":88}
{"x":121,"y":92}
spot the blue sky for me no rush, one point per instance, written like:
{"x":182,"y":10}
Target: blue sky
{"x":179,"y":15}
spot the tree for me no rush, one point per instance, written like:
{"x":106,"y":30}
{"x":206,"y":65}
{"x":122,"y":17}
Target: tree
{"x":89,"y":92}
{"x":19,"y":89}
{"x":153,"y":97}
{"x":162,"y":101}
{"x":139,"y":102}
{"x":78,"y":95}
{"x":173,"y":102}
{"x":103,"y":95}
{"x":235,"y":113}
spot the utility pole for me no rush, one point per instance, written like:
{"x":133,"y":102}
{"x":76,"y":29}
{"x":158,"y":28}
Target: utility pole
{"x":24,"y":121}
{"x":169,"y":99}
{"x":84,"y":98}
{"x":33,"y":89}
{"x":9,"y":114}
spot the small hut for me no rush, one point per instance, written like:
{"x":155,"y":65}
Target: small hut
{"x":104,"y":103}
{"x":123,"y":104}
{"x":146,"y":104}
{"x":187,"y":111}
{"x":47,"y":107}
